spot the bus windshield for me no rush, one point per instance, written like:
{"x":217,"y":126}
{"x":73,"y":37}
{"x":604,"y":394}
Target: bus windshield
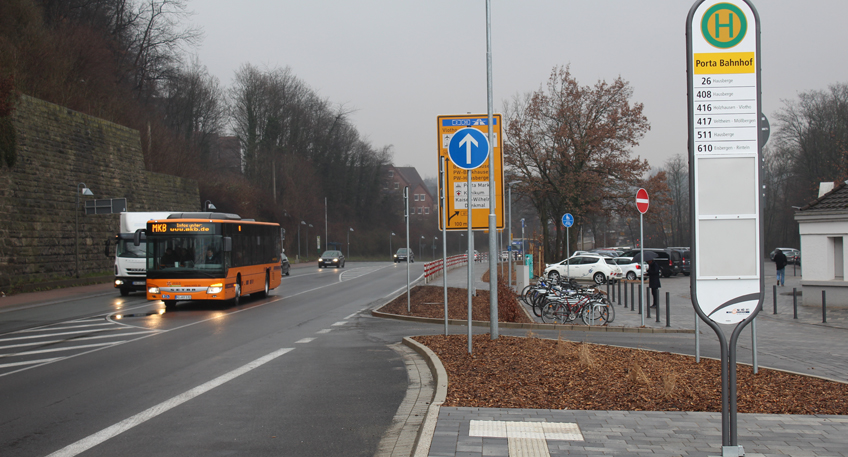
{"x":190,"y":256}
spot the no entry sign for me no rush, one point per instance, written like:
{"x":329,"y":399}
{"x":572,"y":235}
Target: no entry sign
{"x":642,"y":201}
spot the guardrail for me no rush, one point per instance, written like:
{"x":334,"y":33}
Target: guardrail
{"x":433,"y":269}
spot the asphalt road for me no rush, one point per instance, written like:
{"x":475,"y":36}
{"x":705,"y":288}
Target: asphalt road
{"x":306,"y":371}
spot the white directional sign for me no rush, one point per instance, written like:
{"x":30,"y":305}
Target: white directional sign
{"x":724,"y":150}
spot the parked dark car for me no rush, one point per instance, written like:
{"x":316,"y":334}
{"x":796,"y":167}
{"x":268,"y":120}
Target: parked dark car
{"x":686,"y":262}
{"x":669,"y":260}
{"x":331,"y":258}
{"x":401,"y":256}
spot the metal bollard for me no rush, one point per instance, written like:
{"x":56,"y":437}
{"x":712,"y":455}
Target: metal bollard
{"x":668,"y":310}
{"x":648,"y":298}
{"x":608,"y":286}
{"x":774,"y":296}
{"x":619,"y":293}
{"x":658,"y":306}
{"x":824,"y":308}
{"x":795,"y":303}
{"x":632,"y":297}
{"x":641,"y":294}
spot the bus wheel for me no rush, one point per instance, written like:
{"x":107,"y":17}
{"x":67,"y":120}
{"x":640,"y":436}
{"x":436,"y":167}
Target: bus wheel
{"x":170,"y":305}
{"x":237,"y":298}
{"x":264,"y":293}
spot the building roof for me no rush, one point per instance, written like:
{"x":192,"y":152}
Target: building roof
{"x":835,"y":201}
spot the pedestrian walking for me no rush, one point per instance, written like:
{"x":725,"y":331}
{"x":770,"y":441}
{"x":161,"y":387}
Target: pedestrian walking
{"x":654,"y":282}
{"x":780,"y":262}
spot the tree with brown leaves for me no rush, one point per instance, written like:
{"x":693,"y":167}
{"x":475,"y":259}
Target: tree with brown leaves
{"x":570,"y":145}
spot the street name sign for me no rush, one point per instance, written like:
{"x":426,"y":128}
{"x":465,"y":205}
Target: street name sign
{"x":725,"y":145}
{"x":463,"y":141}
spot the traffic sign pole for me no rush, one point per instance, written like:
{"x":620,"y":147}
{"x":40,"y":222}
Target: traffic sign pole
{"x":567,"y":221}
{"x":642,"y":204}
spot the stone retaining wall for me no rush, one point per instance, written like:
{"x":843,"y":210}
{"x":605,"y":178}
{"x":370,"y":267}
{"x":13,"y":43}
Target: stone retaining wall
{"x":57,"y":149}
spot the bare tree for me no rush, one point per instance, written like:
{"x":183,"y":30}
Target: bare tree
{"x":677,"y":177}
{"x":194,"y":107}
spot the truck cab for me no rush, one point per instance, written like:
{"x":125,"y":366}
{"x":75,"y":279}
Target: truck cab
{"x":130,"y":260}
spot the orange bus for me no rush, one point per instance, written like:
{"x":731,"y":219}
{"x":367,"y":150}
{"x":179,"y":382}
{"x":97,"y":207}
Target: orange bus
{"x":211,"y":256}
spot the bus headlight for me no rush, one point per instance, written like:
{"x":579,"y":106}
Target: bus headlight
{"x":215,"y":288}
{"x":153,"y":290}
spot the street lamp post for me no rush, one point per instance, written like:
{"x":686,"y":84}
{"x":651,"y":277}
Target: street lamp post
{"x":435,"y":238}
{"x":390,"y":246}
{"x":459,"y":246}
{"x":207,"y":205}
{"x":420,"y":249}
{"x":298,"y":239}
{"x":509,"y":230}
{"x":348,"y":241}
{"x":81,"y":189}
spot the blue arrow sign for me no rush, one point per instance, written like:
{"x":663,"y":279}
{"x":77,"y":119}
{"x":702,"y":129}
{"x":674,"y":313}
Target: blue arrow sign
{"x":567,"y":220}
{"x":468,"y":148}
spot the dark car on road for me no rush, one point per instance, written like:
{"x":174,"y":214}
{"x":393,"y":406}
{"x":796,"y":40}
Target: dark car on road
{"x":401,"y":256}
{"x":331,"y":258}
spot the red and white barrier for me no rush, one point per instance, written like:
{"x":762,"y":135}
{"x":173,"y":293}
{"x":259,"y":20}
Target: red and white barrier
{"x":435,"y":268}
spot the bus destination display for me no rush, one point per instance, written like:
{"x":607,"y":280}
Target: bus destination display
{"x":182,"y":228}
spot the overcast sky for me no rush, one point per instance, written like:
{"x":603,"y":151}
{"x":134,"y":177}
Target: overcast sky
{"x":398,"y":63}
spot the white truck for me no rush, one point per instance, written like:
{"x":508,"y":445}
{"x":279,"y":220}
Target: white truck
{"x":131,"y":260}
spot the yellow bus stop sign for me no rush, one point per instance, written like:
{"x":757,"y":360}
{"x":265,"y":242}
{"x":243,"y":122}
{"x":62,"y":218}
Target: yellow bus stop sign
{"x":457,"y":179}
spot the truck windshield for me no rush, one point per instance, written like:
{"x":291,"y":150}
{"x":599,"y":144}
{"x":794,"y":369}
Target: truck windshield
{"x":127,"y":249}
{"x":186,"y":256}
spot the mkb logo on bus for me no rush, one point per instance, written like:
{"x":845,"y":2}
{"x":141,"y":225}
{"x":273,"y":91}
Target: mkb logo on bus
{"x":724,"y":25}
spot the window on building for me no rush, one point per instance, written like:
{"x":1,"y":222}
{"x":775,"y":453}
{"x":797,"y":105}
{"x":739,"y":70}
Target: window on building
{"x":419,"y":210}
{"x":396,"y":185}
{"x":416,"y":197}
{"x":426,"y":210}
{"x":838,"y":258}
{"x":391,"y":173}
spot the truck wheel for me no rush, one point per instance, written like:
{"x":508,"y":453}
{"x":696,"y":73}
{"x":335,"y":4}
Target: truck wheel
{"x":124,"y":291}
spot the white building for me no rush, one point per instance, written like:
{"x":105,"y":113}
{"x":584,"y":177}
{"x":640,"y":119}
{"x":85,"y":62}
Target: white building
{"x":823,"y":225}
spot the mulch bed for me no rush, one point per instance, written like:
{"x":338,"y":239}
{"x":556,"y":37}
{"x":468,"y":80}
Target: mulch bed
{"x":514,"y":372}
{"x":429,"y":301}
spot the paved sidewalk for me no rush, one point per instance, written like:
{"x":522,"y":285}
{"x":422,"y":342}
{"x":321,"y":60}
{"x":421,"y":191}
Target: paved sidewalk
{"x":472,"y":432}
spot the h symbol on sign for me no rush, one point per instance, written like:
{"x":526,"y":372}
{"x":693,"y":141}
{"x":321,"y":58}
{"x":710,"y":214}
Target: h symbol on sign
{"x":719,"y":25}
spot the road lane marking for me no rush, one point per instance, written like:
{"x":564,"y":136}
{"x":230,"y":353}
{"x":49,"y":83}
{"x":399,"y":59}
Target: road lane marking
{"x":326,"y":330}
{"x":69,"y":348}
{"x":84,"y":338}
{"x":38,"y":329}
{"x":28,"y":362}
{"x":339,"y":324}
{"x":127,"y":424}
{"x":304,"y":340}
